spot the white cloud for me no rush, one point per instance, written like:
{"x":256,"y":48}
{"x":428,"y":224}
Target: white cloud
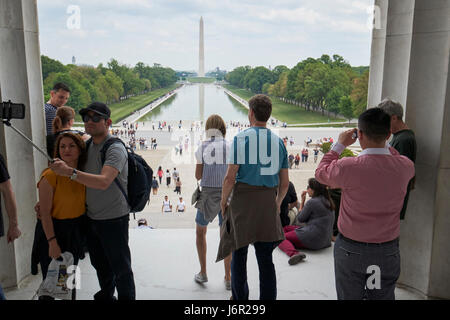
{"x":237,"y":32}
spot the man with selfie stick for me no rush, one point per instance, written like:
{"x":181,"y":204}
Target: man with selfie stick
{"x":366,"y":252}
{"x":106,"y":208}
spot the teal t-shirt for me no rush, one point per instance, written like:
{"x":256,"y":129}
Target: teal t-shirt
{"x":260,"y":155}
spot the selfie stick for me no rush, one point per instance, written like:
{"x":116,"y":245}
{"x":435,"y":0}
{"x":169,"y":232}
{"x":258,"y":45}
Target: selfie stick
{"x":6,"y":122}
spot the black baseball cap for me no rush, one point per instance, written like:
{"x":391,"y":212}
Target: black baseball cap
{"x":99,"y":108}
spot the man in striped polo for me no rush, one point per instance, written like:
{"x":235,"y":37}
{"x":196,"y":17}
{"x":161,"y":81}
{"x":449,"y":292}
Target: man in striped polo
{"x":59,"y":96}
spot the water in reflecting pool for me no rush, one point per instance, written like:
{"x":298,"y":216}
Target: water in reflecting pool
{"x":196,"y":103}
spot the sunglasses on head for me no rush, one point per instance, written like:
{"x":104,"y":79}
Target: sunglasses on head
{"x":95,"y":118}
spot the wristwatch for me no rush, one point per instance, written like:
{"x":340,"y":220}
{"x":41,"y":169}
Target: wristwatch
{"x":74,"y":175}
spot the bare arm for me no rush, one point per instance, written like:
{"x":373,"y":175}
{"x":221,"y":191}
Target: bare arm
{"x":11,"y":209}
{"x":46,"y":203}
{"x":228,"y":184}
{"x":198,"y":171}
{"x":100,"y":181}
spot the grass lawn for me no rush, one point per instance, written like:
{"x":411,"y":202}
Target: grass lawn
{"x":286,"y":112}
{"x":201,"y":80}
{"x":336,"y":125}
{"x":123,"y":109}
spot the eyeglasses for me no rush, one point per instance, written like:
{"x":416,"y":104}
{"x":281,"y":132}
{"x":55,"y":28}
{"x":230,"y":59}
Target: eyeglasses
{"x":94,"y":118}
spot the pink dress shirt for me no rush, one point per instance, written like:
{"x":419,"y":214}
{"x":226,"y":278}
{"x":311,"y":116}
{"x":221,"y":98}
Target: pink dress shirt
{"x":373,"y":189}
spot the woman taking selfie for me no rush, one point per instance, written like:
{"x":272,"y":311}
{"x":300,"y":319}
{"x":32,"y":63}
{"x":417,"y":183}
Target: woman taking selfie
{"x":61,"y":208}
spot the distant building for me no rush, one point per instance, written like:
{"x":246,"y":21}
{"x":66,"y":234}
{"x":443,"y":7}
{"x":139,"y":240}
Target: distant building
{"x":73,"y":60}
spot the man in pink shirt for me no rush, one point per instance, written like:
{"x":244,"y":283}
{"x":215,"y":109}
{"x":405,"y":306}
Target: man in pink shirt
{"x":366,"y":251}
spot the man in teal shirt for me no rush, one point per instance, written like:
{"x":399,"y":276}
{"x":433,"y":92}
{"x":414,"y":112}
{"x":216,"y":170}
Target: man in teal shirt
{"x":258,"y":176}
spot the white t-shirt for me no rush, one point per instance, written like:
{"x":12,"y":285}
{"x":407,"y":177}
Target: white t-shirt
{"x":166,"y":206}
{"x":181,"y":205}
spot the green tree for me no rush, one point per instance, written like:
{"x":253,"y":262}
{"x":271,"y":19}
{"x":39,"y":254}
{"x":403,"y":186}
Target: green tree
{"x":346,"y":107}
{"x":359,"y":93}
{"x":50,"y":65}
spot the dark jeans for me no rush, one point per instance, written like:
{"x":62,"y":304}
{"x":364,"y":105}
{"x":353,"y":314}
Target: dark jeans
{"x":110,"y":256}
{"x":354,"y":265}
{"x":267,"y":276}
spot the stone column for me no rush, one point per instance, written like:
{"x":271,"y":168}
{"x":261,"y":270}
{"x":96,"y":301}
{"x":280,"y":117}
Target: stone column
{"x":424,"y":236}
{"x":377,"y":53}
{"x":397,"y":50}
{"x":21,"y":82}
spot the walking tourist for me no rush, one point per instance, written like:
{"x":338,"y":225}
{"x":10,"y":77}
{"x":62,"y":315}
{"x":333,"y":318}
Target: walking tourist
{"x":297,"y":161}
{"x":291,"y":160}
{"x":316,"y":154}
{"x":178,"y":186}
{"x":211,"y":168}
{"x":252,"y":216}
{"x":155,"y":186}
{"x":168,"y":178}
{"x":166,"y":206}
{"x":368,"y":222}
{"x":181,"y":205}
{"x":160,"y":174}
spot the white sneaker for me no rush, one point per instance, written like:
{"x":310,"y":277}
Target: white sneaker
{"x":201,"y":278}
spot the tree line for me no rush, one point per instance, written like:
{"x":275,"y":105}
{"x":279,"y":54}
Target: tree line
{"x":109,"y":84}
{"x":323,"y":84}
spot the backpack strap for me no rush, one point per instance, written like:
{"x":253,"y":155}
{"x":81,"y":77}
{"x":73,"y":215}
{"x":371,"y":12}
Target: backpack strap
{"x":103,"y":151}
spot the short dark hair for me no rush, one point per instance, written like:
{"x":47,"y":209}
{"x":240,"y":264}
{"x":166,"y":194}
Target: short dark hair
{"x":60,"y":86}
{"x":375,"y":124}
{"x":261,"y":106}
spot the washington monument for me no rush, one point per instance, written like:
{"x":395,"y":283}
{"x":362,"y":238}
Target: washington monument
{"x":201,"y":55}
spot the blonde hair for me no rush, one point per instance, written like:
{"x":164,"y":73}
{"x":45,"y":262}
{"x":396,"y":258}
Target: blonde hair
{"x":213,"y":124}
{"x":63,"y":116}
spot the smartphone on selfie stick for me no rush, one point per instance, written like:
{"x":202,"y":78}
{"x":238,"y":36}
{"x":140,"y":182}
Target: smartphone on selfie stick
{"x":8,"y":111}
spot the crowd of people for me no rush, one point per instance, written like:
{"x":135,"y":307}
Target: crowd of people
{"x":81,"y":210}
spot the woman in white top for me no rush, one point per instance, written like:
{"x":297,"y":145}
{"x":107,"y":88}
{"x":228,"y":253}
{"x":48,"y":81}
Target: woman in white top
{"x":166,"y":207}
{"x":211,"y":169}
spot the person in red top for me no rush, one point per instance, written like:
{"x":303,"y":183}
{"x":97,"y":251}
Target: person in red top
{"x":366,"y":251}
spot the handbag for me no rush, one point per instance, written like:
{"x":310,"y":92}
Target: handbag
{"x":196,"y":195}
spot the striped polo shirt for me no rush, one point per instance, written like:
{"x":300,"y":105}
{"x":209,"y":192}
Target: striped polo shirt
{"x":50,"y":114}
{"x":213,"y":155}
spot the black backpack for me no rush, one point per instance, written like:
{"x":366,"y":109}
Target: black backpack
{"x":140,"y":176}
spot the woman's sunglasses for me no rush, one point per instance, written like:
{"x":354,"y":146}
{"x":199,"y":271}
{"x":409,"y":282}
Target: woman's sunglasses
{"x":94,"y":118}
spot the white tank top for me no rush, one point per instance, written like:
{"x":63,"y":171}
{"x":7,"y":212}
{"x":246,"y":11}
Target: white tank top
{"x":166,"y":205}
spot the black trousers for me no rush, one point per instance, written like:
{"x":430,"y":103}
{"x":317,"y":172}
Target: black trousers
{"x":110,"y":256}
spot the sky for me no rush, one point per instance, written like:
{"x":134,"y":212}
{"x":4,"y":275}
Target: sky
{"x":237,"y":32}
